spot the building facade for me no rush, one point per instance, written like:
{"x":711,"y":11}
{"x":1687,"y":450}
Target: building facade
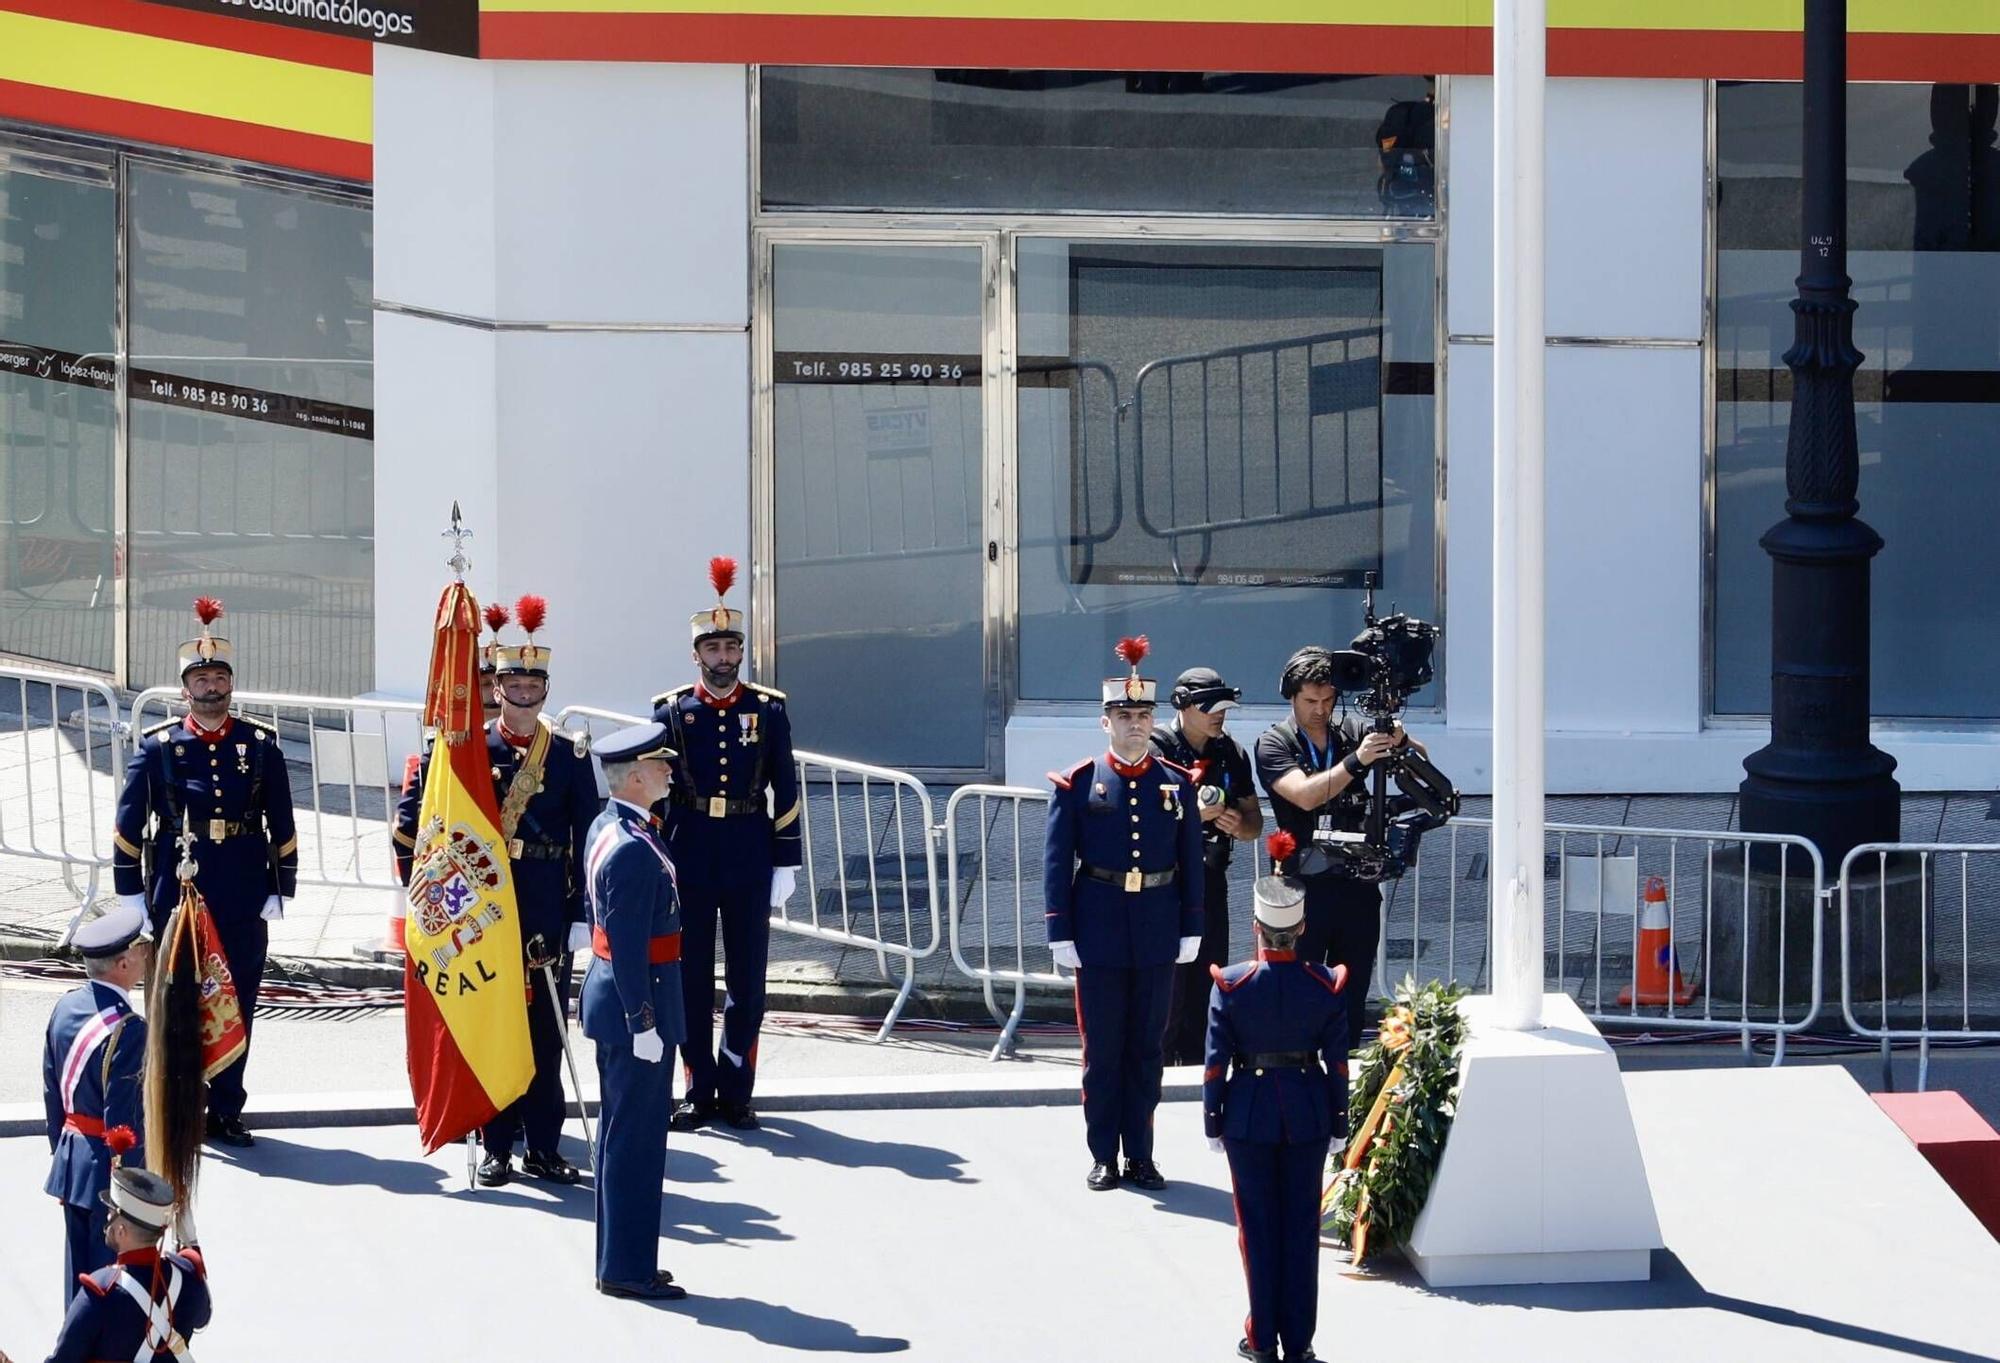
{"x":980,"y":364}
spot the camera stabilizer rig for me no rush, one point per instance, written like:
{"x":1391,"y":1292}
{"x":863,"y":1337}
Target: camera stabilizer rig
{"x":1388,"y":662}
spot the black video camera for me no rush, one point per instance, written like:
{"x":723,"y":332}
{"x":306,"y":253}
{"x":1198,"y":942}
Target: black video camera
{"x":1389,"y":661}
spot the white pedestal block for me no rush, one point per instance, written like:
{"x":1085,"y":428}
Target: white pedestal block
{"x":1541,"y":1180}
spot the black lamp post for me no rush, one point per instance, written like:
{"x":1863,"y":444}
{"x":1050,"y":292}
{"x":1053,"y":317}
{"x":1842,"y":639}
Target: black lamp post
{"x":1819,"y":776}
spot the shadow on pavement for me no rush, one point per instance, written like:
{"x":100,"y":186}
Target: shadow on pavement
{"x":333,"y":1168}
{"x":780,"y":1326}
{"x":786,"y":1136}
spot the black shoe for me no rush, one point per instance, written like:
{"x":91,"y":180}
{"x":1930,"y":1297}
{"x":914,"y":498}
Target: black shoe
{"x":497,"y":1168}
{"x":550,"y":1168}
{"x":662,"y":1288}
{"x":1103,"y":1177}
{"x":739,"y":1116}
{"x":228,"y":1131}
{"x":1243,"y":1350}
{"x":1143,"y":1173}
{"x":1307,"y":1357}
{"x":690,"y":1115}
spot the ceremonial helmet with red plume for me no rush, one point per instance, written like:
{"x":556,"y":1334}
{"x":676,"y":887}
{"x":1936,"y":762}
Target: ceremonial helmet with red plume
{"x":718,"y":619}
{"x":530,"y":659}
{"x":1130,"y":689}
{"x":496,"y":616}
{"x":207,"y":648}
{"x":1280,"y":900}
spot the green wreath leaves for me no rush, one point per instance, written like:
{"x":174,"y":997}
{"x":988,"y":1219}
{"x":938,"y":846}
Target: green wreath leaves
{"x":1399,"y":1112}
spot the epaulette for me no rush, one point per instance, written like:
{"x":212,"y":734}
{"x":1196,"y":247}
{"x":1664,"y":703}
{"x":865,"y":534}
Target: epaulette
{"x":767,"y":692}
{"x":259,"y":725}
{"x":161,"y":727}
{"x":674,"y":694}
{"x":578,"y":740}
{"x":190,"y":1257}
{"x":1064,"y":779}
{"x":1334,"y":979}
{"x":1228,"y":977}
{"x":98,"y":1289}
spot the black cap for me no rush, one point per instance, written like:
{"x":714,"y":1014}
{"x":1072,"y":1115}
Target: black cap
{"x":635,"y":744}
{"x":1204,"y":687}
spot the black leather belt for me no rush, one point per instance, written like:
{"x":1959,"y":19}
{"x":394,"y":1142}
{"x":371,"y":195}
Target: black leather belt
{"x":716,"y":807}
{"x":1134,"y":880}
{"x":537,"y":851}
{"x":1277,"y":1060}
{"x":218,"y":830}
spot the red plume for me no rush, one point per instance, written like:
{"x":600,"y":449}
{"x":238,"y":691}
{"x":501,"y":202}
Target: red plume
{"x":1133,"y":649}
{"x":497,"y":616}
{"x":531,"y":611}
{"x":1280,"y":846}
{"x":119,"y":1140}
{"x":207,"y":608}
{"x":722,"y":574}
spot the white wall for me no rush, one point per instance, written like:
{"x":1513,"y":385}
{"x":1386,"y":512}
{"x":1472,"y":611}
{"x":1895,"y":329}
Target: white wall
{"x":588,"y":404}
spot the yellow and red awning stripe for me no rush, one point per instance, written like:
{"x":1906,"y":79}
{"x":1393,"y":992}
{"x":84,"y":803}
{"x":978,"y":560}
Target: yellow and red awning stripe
{"x":1932,"y":40}
{"x":146,"y":73}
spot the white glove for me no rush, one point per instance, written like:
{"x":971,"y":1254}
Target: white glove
{"x":1190,"y":947}
{"x":579,"y":937}
{"x":1215,"y":1144}
{"x":648,"y":1046}
{"x":133,"y":901}
{"x":784,"y":879}
{"x":274,"y":909}
{"x":1065,"y":954}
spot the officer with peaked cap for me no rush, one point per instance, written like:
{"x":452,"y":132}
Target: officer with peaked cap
{"x":223,"y":777}
{"x":632,"y":1009}
{"x":1226,"y":791}
{"x":91,"y":1065}
{"x":733,"y":827}
{"x":145,"y":1304}
{"x":1273,"y":1097}
{"x":546,"y":792}
{"x":1121,"y":874}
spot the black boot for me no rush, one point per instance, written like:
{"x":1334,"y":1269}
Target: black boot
{"x":1143,"y":1173}
{"x":497,"y":1168}
{"x":691,"y":1115}
{"x":1103,"y":1177}
{"x":549,"y":1167}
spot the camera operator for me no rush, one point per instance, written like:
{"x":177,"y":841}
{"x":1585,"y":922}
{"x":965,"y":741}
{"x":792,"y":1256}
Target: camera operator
{"x":1227,"y":796}
{"x":1315,"y":772}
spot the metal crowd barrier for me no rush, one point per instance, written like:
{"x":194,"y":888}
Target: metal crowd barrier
{"x":1000,"y":951}
{"x":70,"y":744}
{"x":1743,"y":918}
{"x":870,"y":875}
{"x":351,"y":751}
{"x":1907,"y":961}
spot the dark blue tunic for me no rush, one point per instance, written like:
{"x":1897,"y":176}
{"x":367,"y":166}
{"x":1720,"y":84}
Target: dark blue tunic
{"x":91,"y":1064}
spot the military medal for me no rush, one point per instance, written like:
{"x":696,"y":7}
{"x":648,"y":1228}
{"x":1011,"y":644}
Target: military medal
{"x":749,"y":725}
{"x":243,"y":759}
{"x":1168,"y":802}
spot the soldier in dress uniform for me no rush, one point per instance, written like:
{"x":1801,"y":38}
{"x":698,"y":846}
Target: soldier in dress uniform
{"x":1226,"y":791}
{"x":91,"y":1067}
{"x":547,"y":794}
{"x":1121,"y":874}
{"x":224,"y":776}
{"x":1273,"y":1097}
{"x":146,"y":1303}
{"x":736,"y":851}
{"x":632,"y":1009}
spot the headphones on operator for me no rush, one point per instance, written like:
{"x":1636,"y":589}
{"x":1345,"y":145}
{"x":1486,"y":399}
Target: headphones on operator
{"x":1300,"y":667}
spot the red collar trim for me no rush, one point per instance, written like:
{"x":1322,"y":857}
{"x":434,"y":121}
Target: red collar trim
{"x":140,"y":1258}
{"x":507,"y":735}
{"x":1128,"y":771}
{"x":195,"y":730}
{"x":719,"y":702}
{"x":1265,"y":954}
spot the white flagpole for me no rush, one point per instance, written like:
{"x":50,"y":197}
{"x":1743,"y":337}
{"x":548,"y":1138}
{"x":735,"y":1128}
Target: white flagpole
{"x":1520,"y":33}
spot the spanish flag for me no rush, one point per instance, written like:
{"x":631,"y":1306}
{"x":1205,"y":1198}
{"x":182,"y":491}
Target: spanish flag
{"x":464,"y":982}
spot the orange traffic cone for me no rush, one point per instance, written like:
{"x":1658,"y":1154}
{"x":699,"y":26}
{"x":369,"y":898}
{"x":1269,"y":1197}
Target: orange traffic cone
{"x":1656,"y":972}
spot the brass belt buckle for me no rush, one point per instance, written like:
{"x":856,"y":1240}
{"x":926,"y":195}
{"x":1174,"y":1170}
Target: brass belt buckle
{"x":218,"y":829}
{"x":1135,"y":880}
{"x":514,"y":847}
{"x":718,"y":807}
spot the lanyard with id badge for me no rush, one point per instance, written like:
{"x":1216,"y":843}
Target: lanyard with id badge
{"x":1325,"y":852}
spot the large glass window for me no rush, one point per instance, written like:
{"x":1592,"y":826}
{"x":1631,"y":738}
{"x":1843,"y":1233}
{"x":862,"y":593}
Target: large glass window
{"x":1217,"y":441}
{"x":58,"y":409}
{"x":252,"y":462}
{"x":1924,"y":251}
{"x":1096,"y":141}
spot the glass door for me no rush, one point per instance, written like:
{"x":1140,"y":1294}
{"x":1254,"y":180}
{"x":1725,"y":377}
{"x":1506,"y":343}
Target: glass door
{"x":880,"y":516}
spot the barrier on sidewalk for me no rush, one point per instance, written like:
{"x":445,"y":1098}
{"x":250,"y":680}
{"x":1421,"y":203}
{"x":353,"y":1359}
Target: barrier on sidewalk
{"x":67,"y":738}
{"x":869,"y":877}
{"x":985,"y":826}
{"x":346,"y":760}
{"x":1919,"y":920}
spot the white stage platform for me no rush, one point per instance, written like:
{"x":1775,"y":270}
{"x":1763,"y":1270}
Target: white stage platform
{"x":1800,"y":1225}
